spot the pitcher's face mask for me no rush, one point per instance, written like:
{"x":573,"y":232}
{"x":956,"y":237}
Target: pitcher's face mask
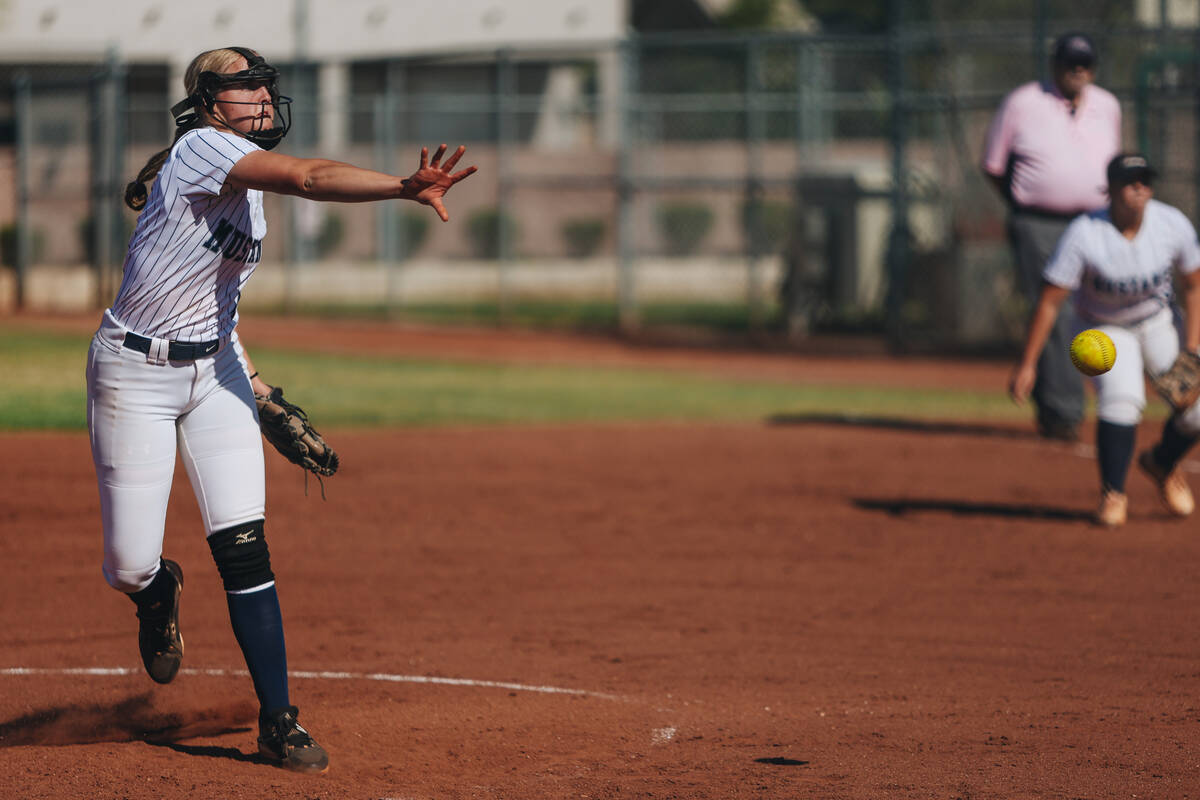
{"x":257,"y":74}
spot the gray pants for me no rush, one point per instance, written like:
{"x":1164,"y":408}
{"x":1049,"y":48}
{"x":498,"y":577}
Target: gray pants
{"x":1058,"y":393}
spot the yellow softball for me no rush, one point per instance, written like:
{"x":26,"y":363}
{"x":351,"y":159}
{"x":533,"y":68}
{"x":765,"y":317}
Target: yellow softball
{"x":1093,"y":352}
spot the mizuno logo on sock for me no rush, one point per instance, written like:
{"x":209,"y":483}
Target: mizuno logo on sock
{"x":244,"y":538}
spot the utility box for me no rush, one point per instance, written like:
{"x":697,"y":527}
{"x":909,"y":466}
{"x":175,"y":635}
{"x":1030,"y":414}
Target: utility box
{"x":833,"y":262}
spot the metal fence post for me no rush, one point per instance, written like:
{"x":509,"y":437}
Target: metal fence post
{"x":381,"y":114}
{"x":756,"y":132}
{"x":23,"y":102}
{"x":506,"y":135}
{"x":1163,"y":113}
{"x":1041,"y":66}
{"x":106,"y":147}
{"x":397,"y":104}
{"x":298,"y":250}
{"x":96,"y":172}
{"x":116,"y":162}
{"x":898,"y":240}
{"x":389,"y":233}
{"x":806,"y":97}
{"x":1196,"y":117}
{"x":806,"y":135}
{"x":627,"y":108}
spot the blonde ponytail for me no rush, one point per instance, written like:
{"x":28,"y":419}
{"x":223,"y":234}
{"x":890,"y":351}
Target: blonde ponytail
{"x":136,"y":193}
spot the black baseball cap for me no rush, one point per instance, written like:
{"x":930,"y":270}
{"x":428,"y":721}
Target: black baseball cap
{"x":1075,"y":50}
{"x":1127,"y":168}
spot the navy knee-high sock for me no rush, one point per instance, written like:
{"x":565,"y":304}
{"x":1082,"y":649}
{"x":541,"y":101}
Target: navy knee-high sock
{"x":158,"y":591}
{"x":1173,"y":446}
{"x":1114,"y":450}
{"x":258,"y":626}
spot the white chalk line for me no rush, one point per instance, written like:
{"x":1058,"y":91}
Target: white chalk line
{"x":322,"y":675}
{"x":658,"y":736}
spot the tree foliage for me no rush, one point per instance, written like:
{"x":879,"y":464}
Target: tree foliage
{"x":748,"y":14}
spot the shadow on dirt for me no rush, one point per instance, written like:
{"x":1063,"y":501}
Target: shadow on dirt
{"x":904,"y":424}
{"x":780,"y":761}
{"x":213,"y":751}
{"x":900,"y":506}
{"x":131,"y":719}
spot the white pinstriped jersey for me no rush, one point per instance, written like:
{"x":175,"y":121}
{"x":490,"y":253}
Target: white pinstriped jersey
{"x":196,"y":243}
{"x":1118,"y":280}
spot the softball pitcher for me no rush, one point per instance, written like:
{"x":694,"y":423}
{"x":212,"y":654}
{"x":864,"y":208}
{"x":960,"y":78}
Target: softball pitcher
{"x":166,"y":372}
{"x":1119,"y":263}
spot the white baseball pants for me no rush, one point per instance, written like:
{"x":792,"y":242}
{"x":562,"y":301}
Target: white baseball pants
{"x":140,"y":413}
{"x":1146,"y":348}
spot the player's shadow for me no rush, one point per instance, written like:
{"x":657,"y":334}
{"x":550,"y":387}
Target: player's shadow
{"x":128,"y":720}
{"x":900,"y":506}
{"x":780,"y":761}
{"x":904,"y":424}
{"x":213,"y":751}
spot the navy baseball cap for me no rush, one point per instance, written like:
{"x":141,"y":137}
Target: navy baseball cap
{"x":1075,"y":50}
{"x":1127,"y":168}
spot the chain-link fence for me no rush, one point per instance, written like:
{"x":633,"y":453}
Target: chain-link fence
{"x":742,"y":180}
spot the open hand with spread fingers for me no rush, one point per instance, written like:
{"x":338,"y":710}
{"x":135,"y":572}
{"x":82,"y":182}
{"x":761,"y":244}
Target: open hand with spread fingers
{"x":431,"y":181}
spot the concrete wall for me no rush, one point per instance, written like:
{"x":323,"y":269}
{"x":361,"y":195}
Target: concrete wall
{"x":326,"y":30}
{"x":705,"y":279}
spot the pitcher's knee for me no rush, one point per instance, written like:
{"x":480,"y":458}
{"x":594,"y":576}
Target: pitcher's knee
{"x":242,"y":556}
{"x":1120,"y":410}
{"x":130,"y":580}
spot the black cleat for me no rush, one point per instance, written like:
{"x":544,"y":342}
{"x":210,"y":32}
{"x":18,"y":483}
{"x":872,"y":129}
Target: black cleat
{"x":282,"y":740}
{"x":159,"y":638}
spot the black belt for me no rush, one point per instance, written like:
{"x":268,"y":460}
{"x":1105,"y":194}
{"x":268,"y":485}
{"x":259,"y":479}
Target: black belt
{"x":176,"y":351}
{"x":1031,"y":211}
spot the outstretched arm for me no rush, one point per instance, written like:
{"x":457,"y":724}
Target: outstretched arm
{"x":320,"y":179}
{"x":1024,"y":375}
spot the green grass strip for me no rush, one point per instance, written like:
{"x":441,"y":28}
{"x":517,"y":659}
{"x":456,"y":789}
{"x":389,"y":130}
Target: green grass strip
{"x":44,"y":388}
{"x":717,"y":317}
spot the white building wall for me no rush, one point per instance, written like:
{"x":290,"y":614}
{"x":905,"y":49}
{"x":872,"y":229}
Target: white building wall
{"x":336,"y":30}
{"x":1180,"y":13}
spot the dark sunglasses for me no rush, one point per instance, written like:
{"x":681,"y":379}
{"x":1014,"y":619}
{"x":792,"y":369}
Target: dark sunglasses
{"x":1071,"y":62}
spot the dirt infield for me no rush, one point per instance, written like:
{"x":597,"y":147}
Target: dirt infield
{"x":686,"y":611}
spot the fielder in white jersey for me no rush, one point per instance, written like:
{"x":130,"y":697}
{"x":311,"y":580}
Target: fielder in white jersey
{"x":1120,"y":264}
{"x":166,"y":373}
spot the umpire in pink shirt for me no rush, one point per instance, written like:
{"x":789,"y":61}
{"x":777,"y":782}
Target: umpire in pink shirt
{"x":1046,"y":152}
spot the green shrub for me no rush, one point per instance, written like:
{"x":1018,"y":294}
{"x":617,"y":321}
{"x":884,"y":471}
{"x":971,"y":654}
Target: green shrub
{"x":330,"y":235}
{"x":413,"y":227}
{"x":8,"y":245}
{"x":777,"y":221}
{"x":684,"y":225}
{"x":120,"y":241}
{"x":583,"y":235}
{"x":484,"y":227}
